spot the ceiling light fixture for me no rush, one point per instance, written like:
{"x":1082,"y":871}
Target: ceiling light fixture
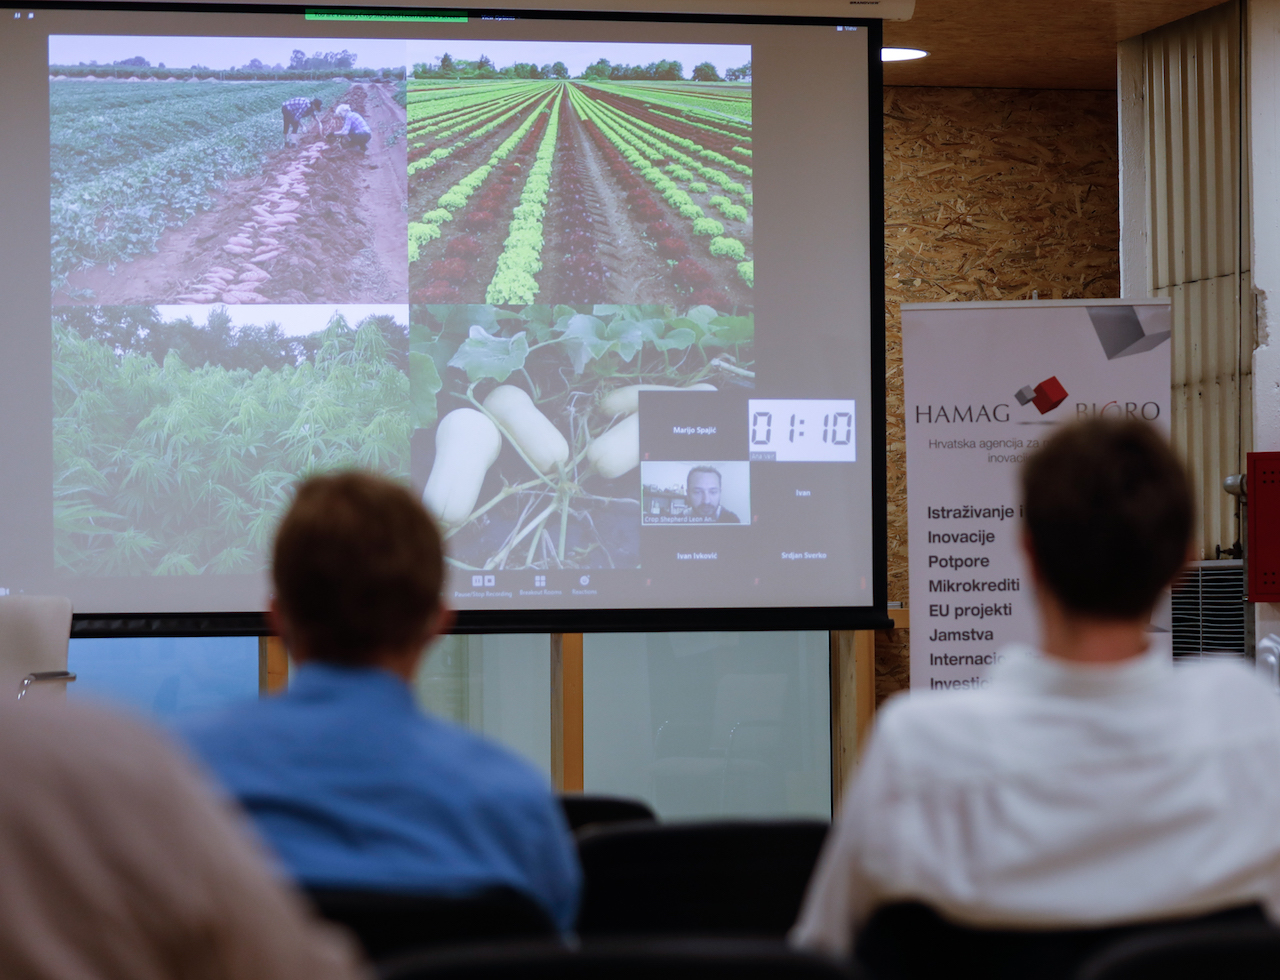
{"x":902,"y":54}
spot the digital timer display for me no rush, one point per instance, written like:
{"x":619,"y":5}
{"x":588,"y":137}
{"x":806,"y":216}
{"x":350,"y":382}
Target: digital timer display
{"x":801,"y":430}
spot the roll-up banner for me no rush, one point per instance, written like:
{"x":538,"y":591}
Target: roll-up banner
{"x":985,"y":385}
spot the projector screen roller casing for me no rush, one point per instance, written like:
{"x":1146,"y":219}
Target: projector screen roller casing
{"x":529,"y":232}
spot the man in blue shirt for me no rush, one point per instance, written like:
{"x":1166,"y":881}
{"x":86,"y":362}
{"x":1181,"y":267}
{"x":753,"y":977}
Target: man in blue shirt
{"x":294,"y":111}
{"x":350,"y":784}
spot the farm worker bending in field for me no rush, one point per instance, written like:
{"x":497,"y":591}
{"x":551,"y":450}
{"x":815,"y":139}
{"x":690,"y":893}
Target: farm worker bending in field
{"x":296,"y":110}
{"x":354,"y":128}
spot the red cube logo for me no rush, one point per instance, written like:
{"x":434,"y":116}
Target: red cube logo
{"x":1049,"y":394}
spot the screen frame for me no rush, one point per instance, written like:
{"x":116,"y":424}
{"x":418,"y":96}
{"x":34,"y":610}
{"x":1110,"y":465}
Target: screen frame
{"x":873,"y":616}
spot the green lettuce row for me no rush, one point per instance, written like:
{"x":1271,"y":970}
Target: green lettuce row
{"x":521,"y":258}
{"x":690,"y":145}
{"x":633,"y":147}
{"x":652,"y":144}
{"x":702,"y":226}
{"x":727,"y":111}
{"x":445,"y":124}
{"x":423,"y":113}
{"x":428,"y":229}
{"x":734,"y":212}
{"x":435,"y":156}
{"x":636,"y":156}
{"x":699,"y":125}
{"x":428,"y":105}
{"x":728,"y":248}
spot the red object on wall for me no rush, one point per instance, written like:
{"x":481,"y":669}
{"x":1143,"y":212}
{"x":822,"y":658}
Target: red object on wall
{"x":1263,"y":488}
{"x":1049,"y":394}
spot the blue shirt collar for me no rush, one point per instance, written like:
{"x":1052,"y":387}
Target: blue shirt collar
{"x":364,"y":682}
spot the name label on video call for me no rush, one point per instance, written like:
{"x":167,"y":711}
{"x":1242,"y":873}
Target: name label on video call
{"x":801,"y":430}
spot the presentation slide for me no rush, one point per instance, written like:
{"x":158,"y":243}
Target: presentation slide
{"x":507,"y":259}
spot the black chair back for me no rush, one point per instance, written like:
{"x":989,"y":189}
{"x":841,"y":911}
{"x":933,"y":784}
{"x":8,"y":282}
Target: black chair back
{"x":581,"y":810}
{"x":1239,"y":952}
{"x":739,"y":878}
{"x":676,"y":960}
{"x":911,"y":941}
{"x":393,"y":923}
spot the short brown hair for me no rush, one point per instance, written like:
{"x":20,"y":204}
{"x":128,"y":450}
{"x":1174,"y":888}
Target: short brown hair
{"x":357,"y":567}
{"x":1109,"y":512}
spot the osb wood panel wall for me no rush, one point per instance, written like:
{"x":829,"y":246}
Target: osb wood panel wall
{"x":990,"y":194}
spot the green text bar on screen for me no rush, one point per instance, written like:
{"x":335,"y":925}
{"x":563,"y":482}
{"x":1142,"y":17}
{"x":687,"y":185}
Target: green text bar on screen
{"x":320,"y":13}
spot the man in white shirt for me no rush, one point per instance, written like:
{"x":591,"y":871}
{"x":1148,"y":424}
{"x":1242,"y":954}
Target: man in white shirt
{"x":120,"y":862}
{"x":1091,"y":783}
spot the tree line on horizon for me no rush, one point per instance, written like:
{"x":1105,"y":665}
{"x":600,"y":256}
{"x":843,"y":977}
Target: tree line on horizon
{"x":299,"y":61}
{"x":141,"y":330}
{"x":448,"y":67}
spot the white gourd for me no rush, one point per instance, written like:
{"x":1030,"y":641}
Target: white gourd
{"x":467,"y":444}
{"x":533,"y":432}
{"x":625,"y":400}
{"x":617,"y":451}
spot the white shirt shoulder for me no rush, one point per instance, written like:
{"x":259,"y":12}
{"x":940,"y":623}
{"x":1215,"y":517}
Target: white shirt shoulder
{"x":1061,"y":795}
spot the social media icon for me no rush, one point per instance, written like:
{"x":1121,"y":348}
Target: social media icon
{"x":477,"y":581}
{"x":490,"y":580}
{"x":539,"y":581}
{"x":585,"y":580}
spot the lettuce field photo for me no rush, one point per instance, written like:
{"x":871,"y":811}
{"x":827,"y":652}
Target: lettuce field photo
{"x":619,"y":184}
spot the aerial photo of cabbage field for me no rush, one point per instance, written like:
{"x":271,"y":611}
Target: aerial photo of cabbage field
{"x":580,"y":173}
{"x":175,"y":178}
{"x":179,"y":432}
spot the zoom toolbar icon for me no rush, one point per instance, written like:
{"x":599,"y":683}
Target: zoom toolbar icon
{"x":585,"y":580}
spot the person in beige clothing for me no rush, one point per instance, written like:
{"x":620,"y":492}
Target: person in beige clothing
{"x":119,"y":862}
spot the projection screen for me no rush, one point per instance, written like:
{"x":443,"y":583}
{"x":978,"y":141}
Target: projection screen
{"x":509,"y":257}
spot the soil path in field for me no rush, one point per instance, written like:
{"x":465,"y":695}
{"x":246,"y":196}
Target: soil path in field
{"x":724,"y":272}
{"x":320,"y":224}
{"x":636,"y":273}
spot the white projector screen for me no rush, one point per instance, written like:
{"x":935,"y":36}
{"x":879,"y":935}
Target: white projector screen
{"x":508,"y":257}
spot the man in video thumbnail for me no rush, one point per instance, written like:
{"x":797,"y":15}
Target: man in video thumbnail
{"x":294,"y":111}
{"x":702,"y":494}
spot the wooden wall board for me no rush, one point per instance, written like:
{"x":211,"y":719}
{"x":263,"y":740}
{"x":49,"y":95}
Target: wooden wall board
{"x":990,"y":194}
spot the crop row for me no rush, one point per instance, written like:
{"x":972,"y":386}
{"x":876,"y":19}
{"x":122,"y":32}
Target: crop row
{"x":686,"y":272}
{"x":440,"y":153}
{"x":462,"y":268}
{"x":729,"y":109}
{"x":643,"y":152}
{"x":521,"y":258}
{"x":656,"y":145}
{"x":428,"y":228}
{"x":458,"y":112}
{"x":737,"y":137}
{"x":668,"y":140}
